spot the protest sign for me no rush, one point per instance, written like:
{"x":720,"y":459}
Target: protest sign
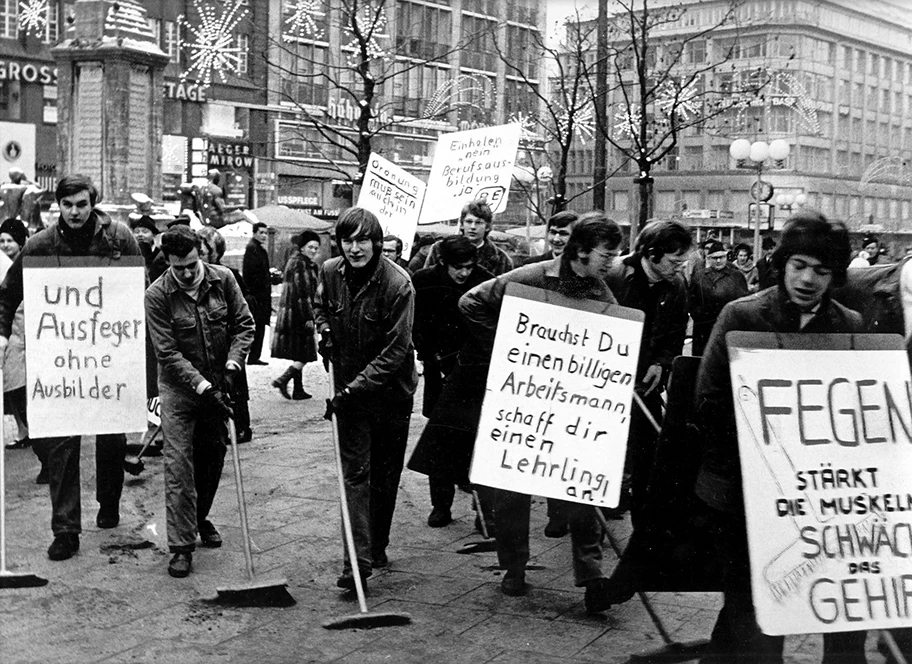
{"x":85,"y":343}
{"x":557,"y":403}
{"x":470,"y":165}
{"x":825,"y":440}
{"x":395,"y":196}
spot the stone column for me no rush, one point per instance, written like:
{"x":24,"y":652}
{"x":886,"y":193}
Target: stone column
{"x":110,"y":81}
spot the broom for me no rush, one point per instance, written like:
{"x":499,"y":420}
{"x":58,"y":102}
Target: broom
{"x":9,"y":579}
{"x":263,"y":592}
{"x":363,"y":620}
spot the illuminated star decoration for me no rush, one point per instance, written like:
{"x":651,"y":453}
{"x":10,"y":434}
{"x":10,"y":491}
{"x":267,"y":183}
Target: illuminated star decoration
{"x":211,"y":42}
{"x":33,"y":15}
{"x":301,"y":22}
{"x":627,"y":123}
{"x":683,"y":102}
{"x":526,"y":124}
{"x":371,"y":25}
{"x":583,"y":123}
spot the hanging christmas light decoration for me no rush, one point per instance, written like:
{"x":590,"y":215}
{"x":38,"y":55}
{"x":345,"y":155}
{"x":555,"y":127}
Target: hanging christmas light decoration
{"x":626,"y":123}
{"x":371,"y":23}
{"x":681,"y":101}
{"x":210,"y":43}
{"x":527,"y":125}
{"x":33,"y":16}
{"x":583,"y":123}
{"x":464,"y":90}
{"x":302,"y":21}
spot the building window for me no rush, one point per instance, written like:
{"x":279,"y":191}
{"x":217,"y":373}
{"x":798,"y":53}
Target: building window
{"x":481,"y":52}
{"x":242,"y":43}
{"x":50,"y":104}
{"x":10,"y":100}
{"x":304,"y":82}
{"x":423,"y":31}
{"x":171,"y":44}
{"x":9,"y":18}
{"x":860,"y":60}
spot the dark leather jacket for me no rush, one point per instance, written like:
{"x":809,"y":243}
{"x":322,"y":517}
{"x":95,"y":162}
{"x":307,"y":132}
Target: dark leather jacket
{"x":373,"y":353}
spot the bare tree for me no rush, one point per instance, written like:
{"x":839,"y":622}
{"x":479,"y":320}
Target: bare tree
{"x":664,"y":81}
{"x":360,"y":78}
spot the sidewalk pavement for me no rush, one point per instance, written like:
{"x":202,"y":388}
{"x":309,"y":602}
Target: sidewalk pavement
{"x":114,"y":601}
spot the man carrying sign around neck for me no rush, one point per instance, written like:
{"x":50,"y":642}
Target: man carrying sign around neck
{"x":578,"y":273}
{"x":811,"y":259}
{"x":80,"y":231}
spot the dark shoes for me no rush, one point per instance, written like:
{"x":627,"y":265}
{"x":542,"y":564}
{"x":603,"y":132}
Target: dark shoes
{"x":439,"y":518}
{"x":618,"y":589}
{"x":108,"y":516}
{"x":181,"y":564}
{"x":244,"y":435}
{"x":598,"y":596}
{"x":256,"y":363}
{"x":19,"y":444}
{"x":556,"y":528}
{"x":44,"y":477}
{"x":209,"y":535}
{"x":63,"y":546}
{"x":514,"y":584}
{"x":281,"y":383}
{"x":347,"y":580}
{"x":299,"y":394}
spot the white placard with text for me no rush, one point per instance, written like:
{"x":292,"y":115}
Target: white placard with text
{"x":395,"y":196}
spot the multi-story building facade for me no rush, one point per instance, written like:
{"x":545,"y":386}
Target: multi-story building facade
{"x":839,"y":92}
{"x":251,"y":120}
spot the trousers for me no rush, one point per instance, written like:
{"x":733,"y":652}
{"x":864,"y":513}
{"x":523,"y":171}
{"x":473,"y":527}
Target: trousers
{"x":63,"y":471}
{"x":194,"y":451}
{"x":372,"y":444}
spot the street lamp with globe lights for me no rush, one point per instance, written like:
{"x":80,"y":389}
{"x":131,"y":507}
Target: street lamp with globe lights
{"x":755,"y":156}
{"x":789,"y":201}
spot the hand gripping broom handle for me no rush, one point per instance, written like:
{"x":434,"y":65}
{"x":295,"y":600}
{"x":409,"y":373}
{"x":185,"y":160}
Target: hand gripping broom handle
{"x":242,"y":505}
{"x":346,"y":518}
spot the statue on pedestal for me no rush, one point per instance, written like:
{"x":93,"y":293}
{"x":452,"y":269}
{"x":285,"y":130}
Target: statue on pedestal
{"x":210,"y":200}
{"x":20,"y":199}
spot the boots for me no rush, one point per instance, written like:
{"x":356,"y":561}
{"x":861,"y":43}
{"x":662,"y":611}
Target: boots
{"x":298,"y":393}
{"x":282,"y":381}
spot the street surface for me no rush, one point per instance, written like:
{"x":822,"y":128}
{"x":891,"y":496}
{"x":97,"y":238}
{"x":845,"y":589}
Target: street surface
{"x":114,"y":601}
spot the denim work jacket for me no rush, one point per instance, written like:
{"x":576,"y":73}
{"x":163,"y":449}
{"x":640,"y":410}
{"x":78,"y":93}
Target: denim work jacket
{"x":373,"y":353}
{"x":194,"y":340}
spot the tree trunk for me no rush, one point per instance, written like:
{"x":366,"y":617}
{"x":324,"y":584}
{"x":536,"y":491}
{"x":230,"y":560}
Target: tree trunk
{"x":645,"y":204}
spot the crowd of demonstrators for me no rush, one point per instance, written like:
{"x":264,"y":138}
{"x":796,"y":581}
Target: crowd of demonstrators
{"x":201,"y":329}
{"x":717,"y":284}
{"x":81,"y":230}
{"x":579,"y":273}
{"x":870,"y":252}
{"x":439,"y":333}
{"x":392,"y":249}
{"x":259,"y":281}
{"x":293,"y":336}
{"x":364,"y":309}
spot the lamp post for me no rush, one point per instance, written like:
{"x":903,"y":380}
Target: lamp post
{"x":754,"y":156}
{"x":789,"y":201}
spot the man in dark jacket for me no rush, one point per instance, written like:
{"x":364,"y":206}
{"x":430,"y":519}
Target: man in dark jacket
{"x":439,"y":334}
{"x":81,"y":231}
{"x":201,"y":328}
{"x":650,"y":280}
{"x":256,"y":274}
{"x":812,"y":258}
{"x":364,"y":311}
{"x":716,"y":285}
{"x":392,"y":249}
{"x":579,"y":273}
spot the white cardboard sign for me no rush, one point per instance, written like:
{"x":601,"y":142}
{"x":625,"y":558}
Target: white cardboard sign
{"x":470,"y":165}
{"x":825,"y":439}
{"x":395,"y":196}
{"x":556,"y":410}
{"x":85,"y":343}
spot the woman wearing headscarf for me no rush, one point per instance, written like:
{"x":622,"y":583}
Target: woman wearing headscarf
{"x":293,"y":334}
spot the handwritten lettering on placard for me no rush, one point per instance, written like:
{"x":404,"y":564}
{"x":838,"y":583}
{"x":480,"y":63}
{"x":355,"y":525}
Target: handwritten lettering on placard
{"x":471,"y":165}
{"x":825,"y":439}
{"x":557,"y":406}
{"x":85,"y":347}
{"x":395,"y":196}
